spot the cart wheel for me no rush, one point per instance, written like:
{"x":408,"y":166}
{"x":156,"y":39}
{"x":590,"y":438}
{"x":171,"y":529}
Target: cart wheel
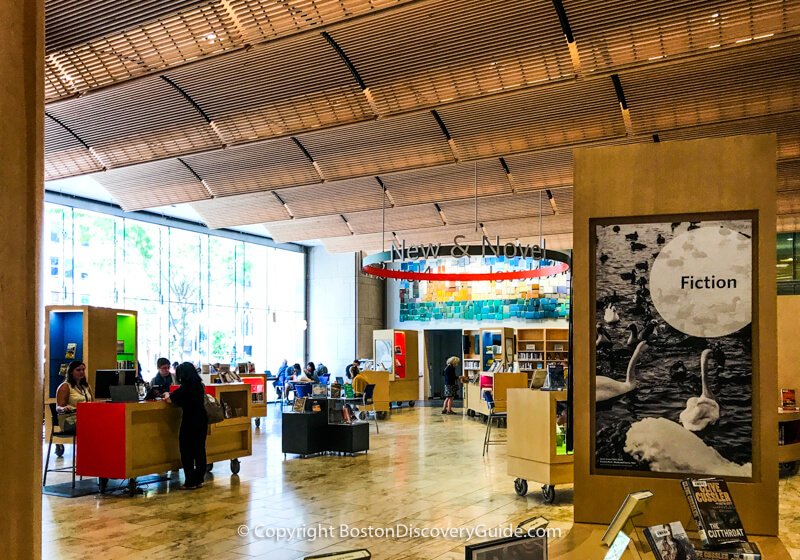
{"x":59,"y":450}
{"x":362,"y":415}
{"x":235,"y":466}
{"x":209,"y":467}
{"x":258,"y":422}
{"x":131,"y":487}
{"x":103,"y":483}
{"x":787,"y":469}
{"x":381,"y":414}
{"x":399,"y":403}
{"x":470,"y":412}
{"x":521,"y":486}
{"x":548,"y":493}
{"x":412,"y":404}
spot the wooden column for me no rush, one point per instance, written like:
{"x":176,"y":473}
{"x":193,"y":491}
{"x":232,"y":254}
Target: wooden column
{"x":673,"y":179}
{"x":21,"y":185}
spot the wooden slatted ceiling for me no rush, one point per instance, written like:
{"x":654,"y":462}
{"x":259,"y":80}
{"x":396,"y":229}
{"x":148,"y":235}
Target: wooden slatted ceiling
{"x":102,"y":42}
{"x":789,"y":202}
{"x":786,"y":126}
{"x":137,"y":188}
{"x":174,"y":39}
{"x":448,"y":182}
{"x":733,"y":84}
{"x":333,"y":197}
{"x":64,"y":154}
{"x":254,"y":167}
{"x":379,"y":147}
{"x":397,"y":219}
{"x":492,"y":208}
{"x":566,"y":114}
{"x":614,"y":34}
{"x":239,"y":210}
{"x":456,"y":49}
{"x":789,"y":176}
{"x":294,"y":86}
{"x":311,"y":228}
{"x":145,"y":120}
{"x":68,"y":24}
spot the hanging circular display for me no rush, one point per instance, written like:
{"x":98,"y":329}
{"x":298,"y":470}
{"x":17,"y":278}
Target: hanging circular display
{"x":509,"y":251}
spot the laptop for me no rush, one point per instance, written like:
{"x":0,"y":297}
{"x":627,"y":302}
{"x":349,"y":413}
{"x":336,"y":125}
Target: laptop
{"x":340,"y":380}
{"x":124,"y":393}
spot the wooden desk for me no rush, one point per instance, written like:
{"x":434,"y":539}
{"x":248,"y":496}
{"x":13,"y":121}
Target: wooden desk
{"x":127,"y":440}
{"x":582,"y":542}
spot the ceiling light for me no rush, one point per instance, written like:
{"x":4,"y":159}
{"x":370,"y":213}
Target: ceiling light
{"x":713,"y":46}
{"x":211,"y":37}
{"x":714,"y":15}
{"x":764,"y":36}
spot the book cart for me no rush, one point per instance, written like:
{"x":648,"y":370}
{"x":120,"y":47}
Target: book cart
{"x":496,"y":345}
{"x":258,"y":395}
{"x":536,"y":451}
{"x":397,"y":352}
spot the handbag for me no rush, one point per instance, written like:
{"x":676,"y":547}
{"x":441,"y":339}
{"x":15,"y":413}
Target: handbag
{"x":214,"y":409}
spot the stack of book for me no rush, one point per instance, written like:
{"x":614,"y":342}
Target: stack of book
{"x":722,"y":536}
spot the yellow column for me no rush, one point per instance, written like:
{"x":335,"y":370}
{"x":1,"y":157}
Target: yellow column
{"x":21,"y":192}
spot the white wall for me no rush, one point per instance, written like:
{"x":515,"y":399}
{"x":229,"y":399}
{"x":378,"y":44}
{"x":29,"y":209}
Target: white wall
{"x":332,"y":309}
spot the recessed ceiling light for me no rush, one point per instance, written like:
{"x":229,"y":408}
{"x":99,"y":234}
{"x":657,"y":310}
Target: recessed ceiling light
{"x":714,"y":15}
{"x":211,"y":36}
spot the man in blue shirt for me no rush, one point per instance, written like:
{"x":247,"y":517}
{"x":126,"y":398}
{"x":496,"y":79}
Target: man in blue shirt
{"x":281,"y":381}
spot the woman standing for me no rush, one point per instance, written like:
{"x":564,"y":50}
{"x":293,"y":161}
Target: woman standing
{"x":73,"y":391}
{"x":190,"y":396}
{"x":450,"y":387}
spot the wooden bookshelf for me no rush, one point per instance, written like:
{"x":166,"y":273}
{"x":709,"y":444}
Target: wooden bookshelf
{"x":556,"y":346}
{"x":531,"y":349}
{"x":471,"y":356}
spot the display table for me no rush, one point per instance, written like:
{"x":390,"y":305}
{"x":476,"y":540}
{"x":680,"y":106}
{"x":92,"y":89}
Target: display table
{"x":127,"y":440}
{"x":582,"y":542}
{"x":309,"y":433}
{"x":534,"y":453}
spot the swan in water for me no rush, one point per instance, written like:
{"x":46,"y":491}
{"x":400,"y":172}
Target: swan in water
{"x":642,"y":266}
{"x":607,"y":388}
{"x":678,"y":371}
{"x":667,"y":447}
{"x":703,"y":410}
{"x":611,"y":315}
{"x":603,"y":338}
{"x":660,"y":239}
{"x":636,"y":336}
{"x":616,"y":229}
{"x":603,"y":258}
{"x":632,"y":236}
{"x":637,"y":246}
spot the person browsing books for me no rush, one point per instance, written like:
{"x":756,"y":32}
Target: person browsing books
{"x":281,"y":380}
{"x":190,"y":396}
{"x":360,"y":383}
{"x":163,"y":378}
{"x":73,"y":391}
{"x":450,"y":387}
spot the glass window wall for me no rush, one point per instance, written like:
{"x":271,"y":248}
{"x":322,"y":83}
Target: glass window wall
{"x":199,"y":297}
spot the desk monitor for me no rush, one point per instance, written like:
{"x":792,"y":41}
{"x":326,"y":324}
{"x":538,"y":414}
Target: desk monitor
{"x":105,"y":378}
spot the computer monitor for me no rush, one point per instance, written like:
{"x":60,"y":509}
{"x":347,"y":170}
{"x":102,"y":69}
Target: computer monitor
{"x":104,"y":378}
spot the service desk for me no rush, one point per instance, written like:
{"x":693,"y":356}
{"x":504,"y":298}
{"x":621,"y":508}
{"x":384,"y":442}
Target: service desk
{"x":127,"y":440}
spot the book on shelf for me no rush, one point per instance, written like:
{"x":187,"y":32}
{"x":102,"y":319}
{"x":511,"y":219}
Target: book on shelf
{"x":316,"y":407}
{"x":558,"y":347}
{"x":530,"y":347}
{"x":346,"y":414}
{"x":336,"y":391}
{"x":120,"y":347}
{"x":62,"y":371}
{"x":669,"y":541}
{"x":781,"y":434}
{"x":739,"y":551}
{"x":71,"y":348}
{"x":788,"y":401}
{"x":714,"y":512}
{"x":300,"y":404}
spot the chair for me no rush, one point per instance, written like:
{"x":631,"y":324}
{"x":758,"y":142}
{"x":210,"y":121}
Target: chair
{"x":367,"y":400}
{"x":487,"y":440}
{"x":302,"y":390}
{"x":55,"y":432}
{"x":324,"y":378}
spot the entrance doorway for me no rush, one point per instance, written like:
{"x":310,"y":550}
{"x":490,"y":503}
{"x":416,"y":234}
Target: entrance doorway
{"x":439,"y":346}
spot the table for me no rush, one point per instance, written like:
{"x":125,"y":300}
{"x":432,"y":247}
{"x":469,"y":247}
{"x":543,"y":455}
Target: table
{"x":309,"y":433}
{"x":127,"y":440}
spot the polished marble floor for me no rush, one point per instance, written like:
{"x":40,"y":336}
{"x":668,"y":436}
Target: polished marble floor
{"x":423,"y":470}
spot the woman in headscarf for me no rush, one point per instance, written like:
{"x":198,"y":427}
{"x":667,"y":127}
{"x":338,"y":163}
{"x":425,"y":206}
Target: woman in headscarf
{"x":190,"y":396}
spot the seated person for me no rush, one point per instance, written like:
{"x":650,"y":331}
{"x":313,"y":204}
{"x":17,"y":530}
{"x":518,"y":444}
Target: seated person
{"x":311,"y":372}
{"x":352,"y":370}
{"x":73,"y":391}
{"x":281,"y":381}
{"x":163,"y":378}
{"x":360,"y":383}
{"x":299,"y":375}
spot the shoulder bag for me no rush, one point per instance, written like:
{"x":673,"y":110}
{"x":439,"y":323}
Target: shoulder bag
{"x":214,"y":409}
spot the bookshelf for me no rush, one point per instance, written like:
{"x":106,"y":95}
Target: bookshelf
{"x":536,"y":348}
{"x":96,"y":332}
{"x":471,"y":361}
{"x":397,"y":352}
{"x":258,"y":395}
{"x":497,"y":345}
{"x":788,"y":436}
{"x":556,"y":346}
